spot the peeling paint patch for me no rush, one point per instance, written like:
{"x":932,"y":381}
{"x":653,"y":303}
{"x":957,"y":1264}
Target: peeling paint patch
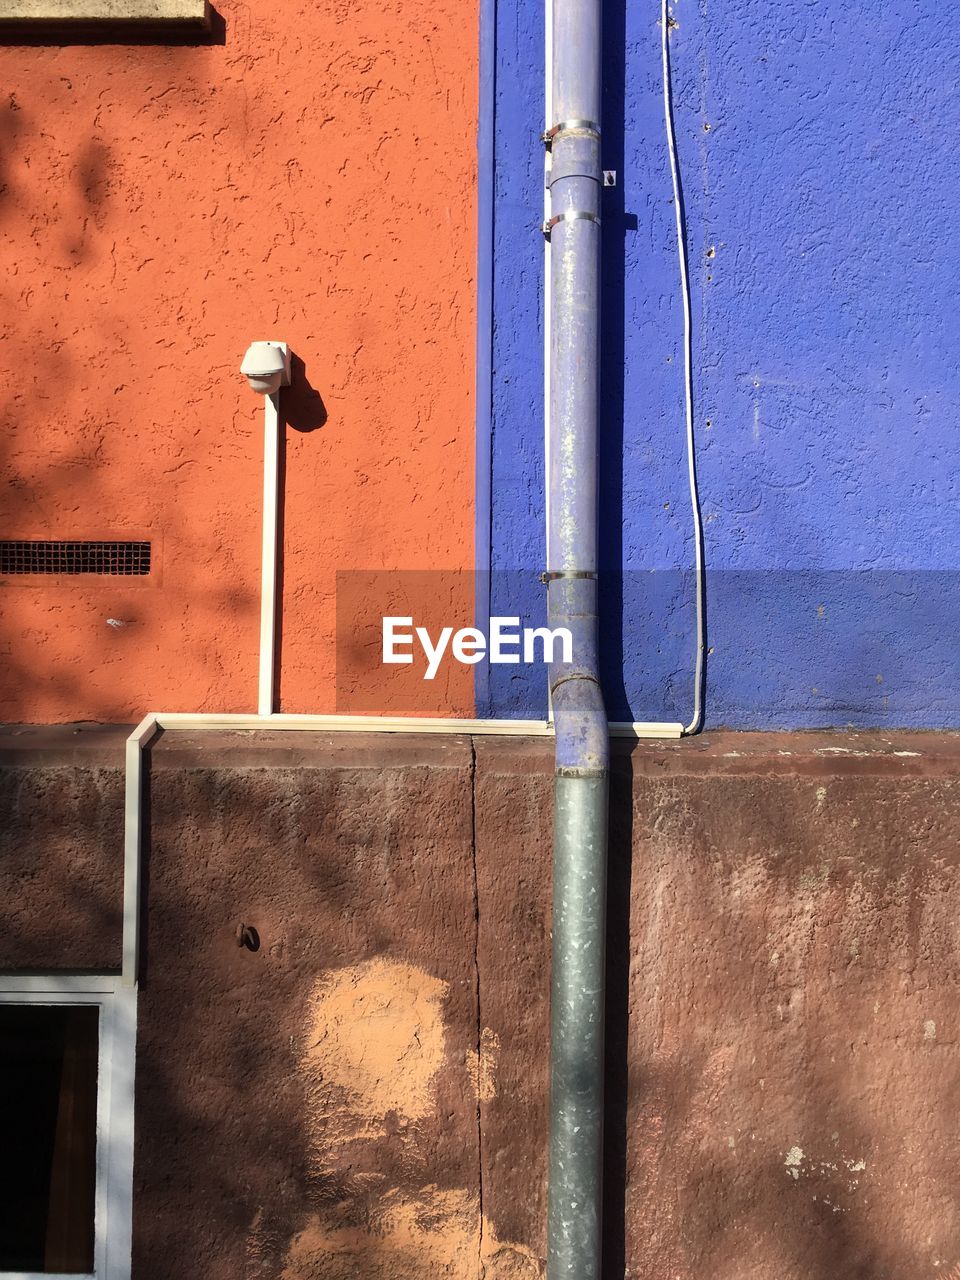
{"x":489,"y":1058}
{"x":793,"y":1162}
{"x":510,"y":1262}
{"x":376,"y":1034}
{"x":436,"y":1234}
{"x":427,"y":1236}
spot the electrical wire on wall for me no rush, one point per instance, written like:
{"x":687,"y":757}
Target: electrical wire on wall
{"x":700,"y":584}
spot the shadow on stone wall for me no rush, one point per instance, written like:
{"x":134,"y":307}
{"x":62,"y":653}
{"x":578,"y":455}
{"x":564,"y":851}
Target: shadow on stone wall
{"x":365,"y":1093}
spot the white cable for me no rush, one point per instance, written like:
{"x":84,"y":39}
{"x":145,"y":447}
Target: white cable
{"x":695,"y":723}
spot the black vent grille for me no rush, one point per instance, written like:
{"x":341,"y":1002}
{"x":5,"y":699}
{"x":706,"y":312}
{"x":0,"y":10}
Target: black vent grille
{"x":115,"y":559}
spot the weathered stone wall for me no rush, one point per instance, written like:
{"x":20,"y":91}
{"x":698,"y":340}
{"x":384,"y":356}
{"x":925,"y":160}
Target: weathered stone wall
{"x":782,"y":1004}
{"x":365,"y":1094}
{"x":61,"y":847}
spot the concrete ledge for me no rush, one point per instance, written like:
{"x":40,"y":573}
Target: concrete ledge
{"x":897,"y":753}
{"x":15,"y":12}
{"x":223,"y":749}
{"x":82,"y":745}
{"x":728,"y":753}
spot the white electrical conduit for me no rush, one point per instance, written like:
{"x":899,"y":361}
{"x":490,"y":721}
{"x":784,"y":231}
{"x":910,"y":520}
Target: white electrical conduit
{"x":266,"y":694}
{"x":697,"y":719}
{"x":158,"y":721}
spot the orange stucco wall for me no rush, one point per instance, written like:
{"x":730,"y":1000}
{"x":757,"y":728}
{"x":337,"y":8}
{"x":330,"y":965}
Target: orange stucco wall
{"x":312,"y":179}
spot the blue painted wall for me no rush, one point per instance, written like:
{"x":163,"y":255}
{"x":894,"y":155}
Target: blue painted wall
{"x":821,"y":172}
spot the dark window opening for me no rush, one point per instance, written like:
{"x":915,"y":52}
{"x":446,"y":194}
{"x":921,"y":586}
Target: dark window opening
{"x":48,"y":1105}
{"x":115,"y":559}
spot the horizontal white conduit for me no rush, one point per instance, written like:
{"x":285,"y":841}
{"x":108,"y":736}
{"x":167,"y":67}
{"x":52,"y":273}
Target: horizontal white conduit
{"x":387,"y":724}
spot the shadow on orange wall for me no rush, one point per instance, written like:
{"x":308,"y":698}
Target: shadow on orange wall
{"x":367,"y":683}
{"x":310,"y":179}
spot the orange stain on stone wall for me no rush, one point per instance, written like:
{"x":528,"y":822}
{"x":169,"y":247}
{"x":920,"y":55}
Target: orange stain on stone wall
{"x":312,"y":178}
{"x":375,"y":1043}
{"x":375,"y":1046}
{"x":432,"y":1236}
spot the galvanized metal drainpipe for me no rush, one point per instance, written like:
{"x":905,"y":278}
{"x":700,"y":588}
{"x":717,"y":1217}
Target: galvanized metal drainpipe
{"x":582,"y":746}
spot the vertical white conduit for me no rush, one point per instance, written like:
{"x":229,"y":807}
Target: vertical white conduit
{"x":137,"y":743}
{"x":266,"y":698}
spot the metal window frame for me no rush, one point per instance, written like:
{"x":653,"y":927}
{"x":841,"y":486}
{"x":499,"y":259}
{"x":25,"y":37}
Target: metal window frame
{"x":116,"y":1049}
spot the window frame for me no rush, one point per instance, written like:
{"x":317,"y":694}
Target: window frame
{"x":116,"y":1050}
{"x":189,"y":15}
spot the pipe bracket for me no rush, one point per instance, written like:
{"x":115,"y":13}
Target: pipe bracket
{"x":570,"y":126}
{"x":570,"y":215}
{"x":568,"y":771}
{"x":575,"y":675}
{"x":551,"y":575}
